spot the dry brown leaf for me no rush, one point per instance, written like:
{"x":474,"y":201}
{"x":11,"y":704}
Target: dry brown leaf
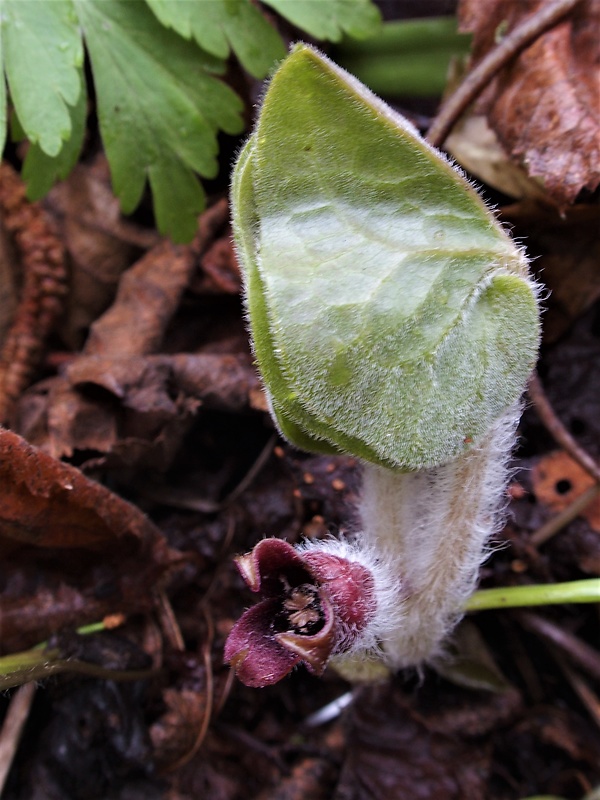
{"x":148,"y":296}
{"x":558,"y":480}
{"x":137,"y":409}
{"x":544,"y":105}
{"x":50,"y":504}
{"x":72,"y":551}
{"x":98,"y":241}
{"x":409,"y":746}
{"x":220,"y":269}
{"x":476,"y":148}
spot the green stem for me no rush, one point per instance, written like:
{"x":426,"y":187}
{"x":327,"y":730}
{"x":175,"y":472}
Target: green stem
{"x":406,"y":57}
{"x":585,"y":591}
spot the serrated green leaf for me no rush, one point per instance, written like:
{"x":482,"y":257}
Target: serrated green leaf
{"x":330,"y":19}
{"x":392,"y":317}
{"x":40,"y":171}
{"x":158,"y":105}
{"x":221,"y":25}
{"x":42,"y":56}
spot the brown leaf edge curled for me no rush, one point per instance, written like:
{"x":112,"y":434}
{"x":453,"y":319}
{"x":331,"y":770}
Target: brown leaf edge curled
{"x":47,"y":503}
{"x":52,"y":507}
{"x":544,"y":104}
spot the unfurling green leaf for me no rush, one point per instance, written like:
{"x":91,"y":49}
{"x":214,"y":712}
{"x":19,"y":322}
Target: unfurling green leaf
{"x":392,"y":317}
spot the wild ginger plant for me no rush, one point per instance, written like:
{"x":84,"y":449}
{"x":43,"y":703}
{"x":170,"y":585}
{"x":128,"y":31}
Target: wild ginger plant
{"x":394,"y":319}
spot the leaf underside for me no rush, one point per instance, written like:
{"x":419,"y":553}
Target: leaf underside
{"x":391,"y":315}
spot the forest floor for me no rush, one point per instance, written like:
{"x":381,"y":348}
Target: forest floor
{"x":140,"y":458}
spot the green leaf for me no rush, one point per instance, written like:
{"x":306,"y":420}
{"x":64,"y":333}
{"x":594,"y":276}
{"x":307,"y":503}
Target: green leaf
{"x":392,"y":317}
{"x":331,"y":19}
{"x":43,"y":54}
{"x":159,"y":109}
{"x":221,"y":25}
{"x":40,"y":170}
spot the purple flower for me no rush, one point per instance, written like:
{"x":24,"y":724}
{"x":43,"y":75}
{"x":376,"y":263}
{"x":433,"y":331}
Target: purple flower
{"x":314,"y":604}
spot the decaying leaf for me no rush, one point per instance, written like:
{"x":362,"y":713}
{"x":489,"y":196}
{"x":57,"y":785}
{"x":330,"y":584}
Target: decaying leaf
{"x":117,"y":401}
{"x":403,"y":746}
{"x":558,"y":480}
{"x":134,"y":409}
{"x":147,"y":297}
{"x":49,"y":509}
{"x":99,"y":242}
{"x":476,"y":148}
{"x":544,"y":104}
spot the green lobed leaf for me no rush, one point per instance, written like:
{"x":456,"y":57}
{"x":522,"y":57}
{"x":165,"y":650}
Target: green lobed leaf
{"x":159,"y":108}
{"x":40,"y":170}
{"x":392,"y":317}
{"x":331,"y":19}
{"x":42,"y":56}
{"x":221,"y":25}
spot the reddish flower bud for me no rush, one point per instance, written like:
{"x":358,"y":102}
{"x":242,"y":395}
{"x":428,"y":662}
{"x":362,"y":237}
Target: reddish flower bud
{"x":315,"y":604}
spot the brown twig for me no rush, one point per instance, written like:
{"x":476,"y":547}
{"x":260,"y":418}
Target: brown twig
{"x":580,"y":652}
{"x":562,"y":436}
{"x":14,"y":722}
{"x":561,"y":520}
{"x":209,"y":224}
{"x":168,"y":621}
{"x":209,"y":694}
{"x":44,"y":287}
{"x":588,"y":698}
{"x":516,"y":41}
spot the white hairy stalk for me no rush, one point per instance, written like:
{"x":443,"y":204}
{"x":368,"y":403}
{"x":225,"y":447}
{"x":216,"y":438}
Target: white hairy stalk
{"x":431,"y":529}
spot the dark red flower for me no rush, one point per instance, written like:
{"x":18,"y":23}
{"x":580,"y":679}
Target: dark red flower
{"x":314,"y":604}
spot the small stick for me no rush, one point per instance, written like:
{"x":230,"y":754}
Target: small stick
{"x":168,"y":621}
{"x":558,"y":522}
{"x":585,"y":656}
{"x":581,"y":689}
{"x":548,"y":416}
{"x":14,"y":722}
{"x":516,"y":41}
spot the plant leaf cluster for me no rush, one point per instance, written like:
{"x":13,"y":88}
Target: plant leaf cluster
{"x":157,"y":68}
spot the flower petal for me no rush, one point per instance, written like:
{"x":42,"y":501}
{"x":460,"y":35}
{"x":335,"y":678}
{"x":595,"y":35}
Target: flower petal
{"x":349,"y":586}
{"x":252,"y":650}
{"x":263,"y":565}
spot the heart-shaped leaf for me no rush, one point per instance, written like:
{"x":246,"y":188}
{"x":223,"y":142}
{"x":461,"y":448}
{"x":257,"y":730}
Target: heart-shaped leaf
{"x":392,"y":316}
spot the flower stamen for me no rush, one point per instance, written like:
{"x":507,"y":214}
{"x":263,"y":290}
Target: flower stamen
{"x":305,"y":613}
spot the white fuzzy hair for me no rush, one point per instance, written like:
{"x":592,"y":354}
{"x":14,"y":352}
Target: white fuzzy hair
{"x":424,"y":536}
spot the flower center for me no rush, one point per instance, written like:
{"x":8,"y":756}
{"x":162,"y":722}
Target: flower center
{"x":302,"y":609}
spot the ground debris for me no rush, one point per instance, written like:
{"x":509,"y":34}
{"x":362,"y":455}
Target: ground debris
{"x":544,"y":105}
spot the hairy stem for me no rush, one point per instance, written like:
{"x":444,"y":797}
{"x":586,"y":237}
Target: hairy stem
{"x":433,"y":526}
